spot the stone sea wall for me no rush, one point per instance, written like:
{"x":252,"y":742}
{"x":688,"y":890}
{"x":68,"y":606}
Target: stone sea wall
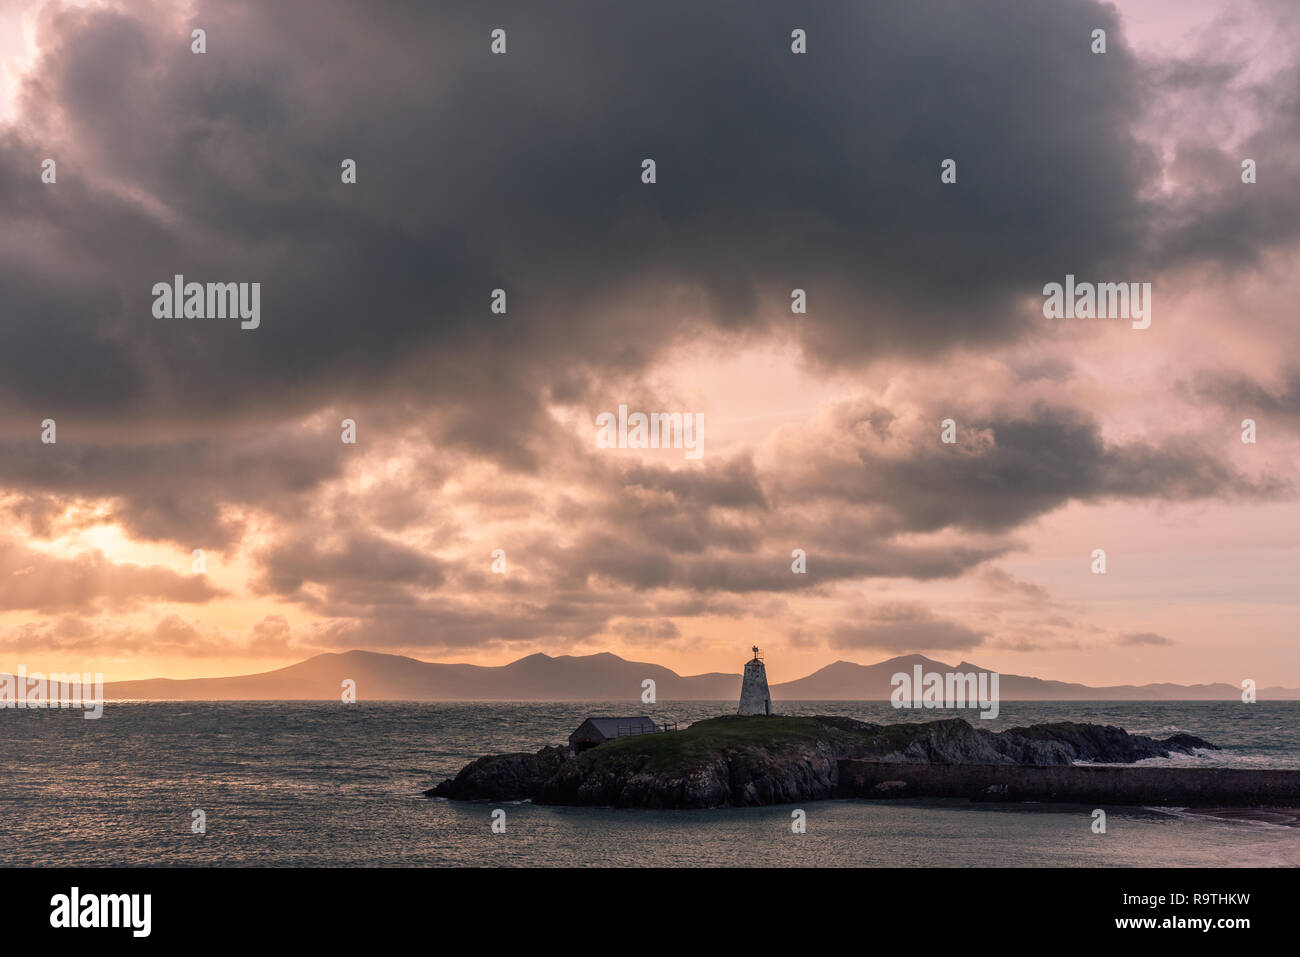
{"x":1165,"y":786}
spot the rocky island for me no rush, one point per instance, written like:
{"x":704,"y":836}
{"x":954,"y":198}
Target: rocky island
{"x":739,"y":761}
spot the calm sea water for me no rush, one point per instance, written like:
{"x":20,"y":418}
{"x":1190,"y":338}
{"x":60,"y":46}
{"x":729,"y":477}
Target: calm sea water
{"x":297,"y":783}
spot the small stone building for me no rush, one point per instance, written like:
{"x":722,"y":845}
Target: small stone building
{"x":598,"y":730}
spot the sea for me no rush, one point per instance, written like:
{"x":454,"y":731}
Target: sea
{"x":340,"y":785}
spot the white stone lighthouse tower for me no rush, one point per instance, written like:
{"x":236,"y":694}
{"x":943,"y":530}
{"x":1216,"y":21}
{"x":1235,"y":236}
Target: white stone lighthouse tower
{"x":754,"y":696}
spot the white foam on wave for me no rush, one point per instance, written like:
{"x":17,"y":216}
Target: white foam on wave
{"x":1207,"y":814}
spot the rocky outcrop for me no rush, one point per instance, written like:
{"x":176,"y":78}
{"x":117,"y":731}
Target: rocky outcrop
{"x":504,"y":777}
{"x":745,"y":761}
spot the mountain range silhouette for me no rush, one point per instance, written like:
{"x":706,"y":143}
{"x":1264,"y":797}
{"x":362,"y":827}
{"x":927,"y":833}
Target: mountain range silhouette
{"x":607,"y":677}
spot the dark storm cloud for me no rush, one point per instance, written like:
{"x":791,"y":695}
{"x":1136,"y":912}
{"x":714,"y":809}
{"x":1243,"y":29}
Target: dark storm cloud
{"x":522,"y":171}
{"x":630,"y":562}
{"x":731,"y":530}
{"x":1009,"y":469}
{"x":1215,"y":218}
{"x":1250,"y":399}
{"x":361,"y":568}
{"x":733,"y":484}
{"x":175,"y":490}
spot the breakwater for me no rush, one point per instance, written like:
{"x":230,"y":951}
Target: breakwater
{"x":1076,"y":784}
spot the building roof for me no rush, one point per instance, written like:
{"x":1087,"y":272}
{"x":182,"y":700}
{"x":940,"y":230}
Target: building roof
{"x":613,"y":727}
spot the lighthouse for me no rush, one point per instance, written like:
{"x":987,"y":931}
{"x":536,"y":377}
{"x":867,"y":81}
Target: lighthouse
{"x":754,"y":696}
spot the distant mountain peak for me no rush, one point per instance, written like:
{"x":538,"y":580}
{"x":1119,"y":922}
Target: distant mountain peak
{"x":536,"y":656}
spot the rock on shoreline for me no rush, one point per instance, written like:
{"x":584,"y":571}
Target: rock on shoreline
{"x":735,"y":761}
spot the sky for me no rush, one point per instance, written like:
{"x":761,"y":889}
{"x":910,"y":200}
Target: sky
{"x":476,"y":431}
